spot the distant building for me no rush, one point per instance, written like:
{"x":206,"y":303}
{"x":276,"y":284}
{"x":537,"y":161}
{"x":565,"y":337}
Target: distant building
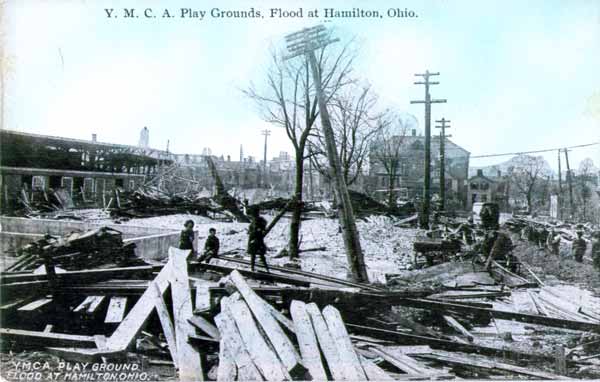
{"x":482,"y":188}
{"x":410,"y":174}
{"x":88,"y":170}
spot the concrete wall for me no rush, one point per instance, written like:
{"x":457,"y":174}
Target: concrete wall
{"x":62,"y":227}
{"x":156,"y":247}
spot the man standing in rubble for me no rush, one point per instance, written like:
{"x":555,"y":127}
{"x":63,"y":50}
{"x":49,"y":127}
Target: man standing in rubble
{"x":256,"y":237}
{"x":553,"y":242}
{"x":501,"y":248}
{"x":579,"y":247}
{"x":596,"y":249}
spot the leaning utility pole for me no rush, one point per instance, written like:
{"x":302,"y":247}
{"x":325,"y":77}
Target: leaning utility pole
{"x":424,"y":218}
{"x":443,"y":125}
{"x":559,"y":198}
{"x":570,"y":182}
{"x":305,"y":42}
{"x":266,"y":133}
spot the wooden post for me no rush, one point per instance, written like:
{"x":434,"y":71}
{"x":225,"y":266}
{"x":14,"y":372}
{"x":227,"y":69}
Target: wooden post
{"x":570,"y":181}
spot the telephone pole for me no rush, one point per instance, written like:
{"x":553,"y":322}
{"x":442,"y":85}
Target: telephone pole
{"x":559,"y":198}
{"x":424,"y":218}
{"x":266,"y":133}
{"x":443,"y":126}
{"x":305,"y":42}
{"x":570,"y":182}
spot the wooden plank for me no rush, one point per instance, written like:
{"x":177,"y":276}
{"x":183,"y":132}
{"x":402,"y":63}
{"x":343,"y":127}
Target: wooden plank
{"x":503,"y":315}
{"x":234,"y":348}
{"x":124,"y":336}
{"x":327,"y":344}
{"x":34,"y":305}
{"x":227,"y":370}
{"x":165,"y":321}
{"x":202,"y":298}
{"x":458,"y":327}
{"x":401,"y":364}
{"x":90,"y":304}
{"x":29,"y":337}
{"x":190,"y":368}
{"x":84,"y":276}
{"x":283,"y":279}
{"x":455,"y":358}
{"x":374,"y":372}
{"x":48,"y":328}
{"x":348,"y":357}
{"x":281,"y":343}
{"x":261,"y":354}
{"x":204,"y":325}
{"x":289,"y":324}
{"x":116,"y":310}
{"x":307,"y":341}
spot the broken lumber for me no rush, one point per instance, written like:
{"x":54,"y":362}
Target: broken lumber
{"x":463,"y":360}
{"x":30,"y":337}
{"x":165,"y":321}
{"x":307,"y":341}
{"x":281,"y":343}
{"x":204,"y":325}
{"x":458,"y":327}
{"x":339,"y":334}
{"x":124,"y":336}
{"x":326,"y":343}
{"x":264,"y":358}
{"x":374,"y":372}
{"x":233,"y":347}
{"x":116,"y":310}
{"x":255,"y":275}
{"x":90,"y":304}
{"x":190,"y":367}
{"x":227,"y":370}
{"x":35,"y":305}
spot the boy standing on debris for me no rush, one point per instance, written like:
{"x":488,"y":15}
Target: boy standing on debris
{"x":579,"y":247}
{"x":186,"y":238}
{"x":211,"y":246}
{"x":256,"y":238}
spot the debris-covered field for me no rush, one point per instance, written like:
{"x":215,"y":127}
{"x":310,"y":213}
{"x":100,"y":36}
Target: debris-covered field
{"x":430,"y":311}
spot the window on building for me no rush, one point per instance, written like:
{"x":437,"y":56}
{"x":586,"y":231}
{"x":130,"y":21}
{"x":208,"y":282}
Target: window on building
{"x":485,"y":186}
{"x":67,"y":183}
{"x":131,"y":184}
{"x":88,"y":186}
{"x":38,"y":183}
{"x":99,"y":186}
{"x":474,"y":186}
{"x":484,"y":198}
{"x":54,"y":182}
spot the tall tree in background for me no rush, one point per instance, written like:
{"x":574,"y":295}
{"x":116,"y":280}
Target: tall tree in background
{"x":355,"y":123}
{"x":584,"y":181}
{"x":387,"y":149}
{"x":289,"y":100}
{"x":527,"y":175}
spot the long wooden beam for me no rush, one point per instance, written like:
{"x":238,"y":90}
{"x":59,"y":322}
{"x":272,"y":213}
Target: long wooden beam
{"x":86,"y":276}
{"x":503,"y":315}
{"x":29,"y":337}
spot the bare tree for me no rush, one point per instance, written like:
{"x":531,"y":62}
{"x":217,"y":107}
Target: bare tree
{"x":355,"y":124}
{"x":387,"y":149}
{"x":289,"y":100}
{"x":526,"y":175}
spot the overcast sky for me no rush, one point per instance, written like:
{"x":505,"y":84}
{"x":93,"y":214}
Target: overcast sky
{"x":517,"y":75}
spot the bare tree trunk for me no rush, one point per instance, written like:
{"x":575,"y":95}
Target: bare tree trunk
{"x":296,"y":206}
{"x":391,"y":193}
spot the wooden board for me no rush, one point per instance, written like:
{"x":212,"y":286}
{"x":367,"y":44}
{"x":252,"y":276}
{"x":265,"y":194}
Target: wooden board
{"x":348,"y":357}
{"x":116,"y":310}
{"x":202,"y":302}
{"x":374,"y":372}
{"x":458,"y":327}
{"x":165,"y":321}
{"x":281,"y":343}
{"x":307,"y":341}
{"x":326,"y":343}
{"x":89,"y":300}
{"x":235,"y":349}
{"x":34,"y":305}
{"x":204,"y":325}
{"x":124,"y":336}
{"x":227,"y":370}
{"x":190,"y":368}
{"x":29,"y":337}
{"x":261,"y":354}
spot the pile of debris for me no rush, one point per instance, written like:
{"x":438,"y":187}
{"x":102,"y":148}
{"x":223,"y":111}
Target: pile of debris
{"x":77,"y":250}
{"x":43,"y":203}
{"x":222,"y":321}
{"x":363,"y":205}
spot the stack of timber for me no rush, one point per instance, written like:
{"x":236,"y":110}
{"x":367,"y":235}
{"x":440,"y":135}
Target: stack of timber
{"x":78,"y":250}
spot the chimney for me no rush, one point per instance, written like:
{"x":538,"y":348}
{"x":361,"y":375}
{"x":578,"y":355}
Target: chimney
{"x":414,"y":132}
{"x":94,"y":138}
{"x":228,"y":158}
{"x":479,"y":172}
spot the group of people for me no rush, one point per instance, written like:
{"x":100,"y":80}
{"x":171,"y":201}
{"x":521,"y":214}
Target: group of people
{"x":256,"y":240}
{"x":550,"y":240}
